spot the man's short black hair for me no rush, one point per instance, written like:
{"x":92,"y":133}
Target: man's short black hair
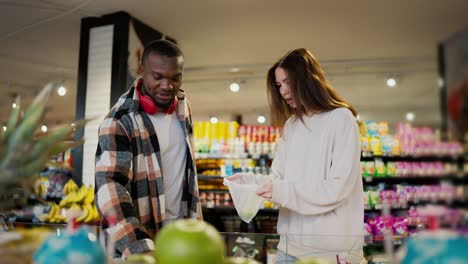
{"x":162,"y":47}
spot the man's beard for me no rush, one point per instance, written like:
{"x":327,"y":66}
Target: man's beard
{"x":163,"y":105}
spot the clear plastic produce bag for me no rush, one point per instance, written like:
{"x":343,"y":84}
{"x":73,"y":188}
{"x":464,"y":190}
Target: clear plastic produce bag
{"x":246,"y":201}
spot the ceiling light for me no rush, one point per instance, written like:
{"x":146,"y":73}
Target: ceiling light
{"x":391,"y":82}
{"x":235,"y":70}
{"x":440,"y":82}
{"x":234,"y":87}
{"x":61,"y":91}
{"x":261,"y":119}
{"x":44,"y":128}
{"x":4,"y":128}
{"x":410,"y":116}
{"x":13,"y":105}
{"x":214,"y":120}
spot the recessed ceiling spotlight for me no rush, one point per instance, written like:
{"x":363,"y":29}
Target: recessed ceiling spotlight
{"x":261,"y":119}
{"x":391,"y":82}
{"x":410,"y":116}
{"x":234,"y":87}
{"x":62,"y":91}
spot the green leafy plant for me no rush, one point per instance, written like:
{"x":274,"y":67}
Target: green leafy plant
{"x":24,"y":152}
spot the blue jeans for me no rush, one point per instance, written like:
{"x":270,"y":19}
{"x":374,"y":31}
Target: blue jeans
{"x":283,"y":258}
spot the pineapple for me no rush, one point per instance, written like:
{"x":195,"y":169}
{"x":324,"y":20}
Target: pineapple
{"x":24,"y":153}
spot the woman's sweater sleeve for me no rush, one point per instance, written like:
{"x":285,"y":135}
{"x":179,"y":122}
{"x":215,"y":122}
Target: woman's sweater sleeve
{"x":331,"y":190}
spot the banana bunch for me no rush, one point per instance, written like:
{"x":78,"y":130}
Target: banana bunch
{"x":76,"y":197}
{"x":90,"y":214}
{"x":70,"y":187}
{"x":23,"y":152}
{"x":80,"y":204}
{"x":40,"y":189}
{"x":54,"y":215}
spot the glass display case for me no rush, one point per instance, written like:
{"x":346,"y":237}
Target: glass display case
{"x":19,"y":241}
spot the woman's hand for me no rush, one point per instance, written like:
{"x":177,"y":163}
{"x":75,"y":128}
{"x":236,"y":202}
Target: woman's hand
{"x":235,"y":177}
{"x":265,"y":190}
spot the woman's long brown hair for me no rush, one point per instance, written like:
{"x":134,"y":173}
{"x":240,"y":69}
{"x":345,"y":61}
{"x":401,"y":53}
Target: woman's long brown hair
{"x":309,"y":89}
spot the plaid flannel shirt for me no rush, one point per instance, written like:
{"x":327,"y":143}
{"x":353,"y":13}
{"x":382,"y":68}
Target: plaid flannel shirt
{"x":129,"y":181}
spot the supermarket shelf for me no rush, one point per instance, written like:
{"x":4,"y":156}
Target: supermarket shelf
{"x":414,"y":179}
{"x":364,"y":157}
{"x":376,"y":180}
{"x":202,"y":177}
{"x":32,"y":198}
{"x":199,"y":155}
{"x":390,"y":180}
{"x":392,"y":210}
{"x":214,"y":190}
{"x":378,"y":240}
{"x":220,"y":156}
{"x":453,"y":204}
{"x":460,"y":180}
{"x":415,"y":158}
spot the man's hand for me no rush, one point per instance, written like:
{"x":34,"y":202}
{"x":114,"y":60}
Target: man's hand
{"x":265,"y":190}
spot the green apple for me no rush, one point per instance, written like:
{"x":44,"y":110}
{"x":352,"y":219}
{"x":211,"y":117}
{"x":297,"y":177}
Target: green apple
{"x":189,"y":241}
{"x":313,"y":261}
{"x":140,"y":259}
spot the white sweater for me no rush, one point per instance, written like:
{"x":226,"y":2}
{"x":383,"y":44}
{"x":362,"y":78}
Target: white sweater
{"x":317,"y":182}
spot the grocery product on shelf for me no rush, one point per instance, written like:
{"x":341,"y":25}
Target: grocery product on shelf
{"x":229,"y":166}
{"x":230,"y":138}
{"x":408,"y":141}
{"x":413,"y":155}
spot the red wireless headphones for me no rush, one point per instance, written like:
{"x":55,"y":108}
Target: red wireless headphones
{"x":148,"y":104}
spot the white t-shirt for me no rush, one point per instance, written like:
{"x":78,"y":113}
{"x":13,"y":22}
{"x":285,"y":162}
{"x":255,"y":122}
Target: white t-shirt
{"x":173,"y":149}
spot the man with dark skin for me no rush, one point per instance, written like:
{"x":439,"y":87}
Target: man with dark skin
{"x":145,"y":170}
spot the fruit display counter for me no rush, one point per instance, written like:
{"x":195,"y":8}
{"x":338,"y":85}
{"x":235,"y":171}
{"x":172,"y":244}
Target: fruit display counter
{"x":193,"y":241}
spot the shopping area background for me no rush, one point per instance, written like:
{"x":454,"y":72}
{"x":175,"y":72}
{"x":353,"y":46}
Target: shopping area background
{"x":402,"y":65}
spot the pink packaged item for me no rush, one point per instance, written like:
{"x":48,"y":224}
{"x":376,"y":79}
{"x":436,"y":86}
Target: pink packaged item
{"x":402,"y":197}
{"x":382,"y":224}
{"x":417,"y":169}
{"x":439,"y":169}
{"x":400,"y":169}
{"x":367,"y":229}
{"x":435,"y":193}
{"x":410,"y":193}
{"x":413,"y":217}
{"x":400,"y":226}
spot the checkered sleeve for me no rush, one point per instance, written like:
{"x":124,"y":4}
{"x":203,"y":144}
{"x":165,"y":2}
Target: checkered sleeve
{"x":113,"y":172}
